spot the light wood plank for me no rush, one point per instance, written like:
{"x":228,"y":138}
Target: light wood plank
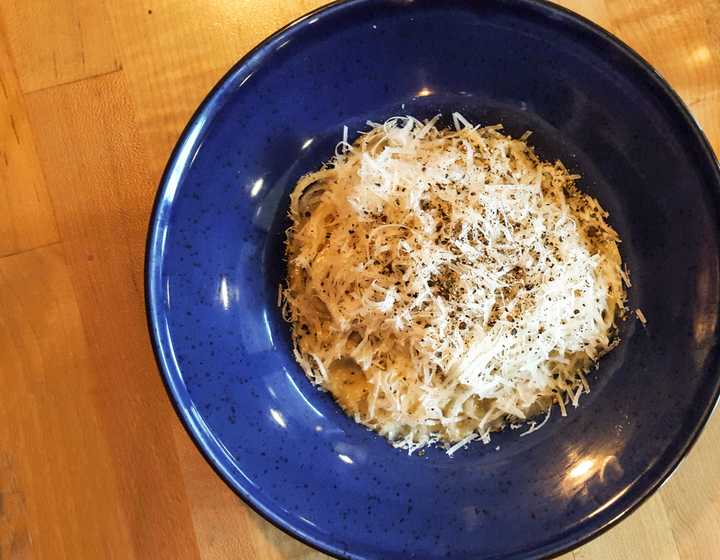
{"x":677,"y":38}
{"x":57,"y":479}
{"x":102,"y":196}
{"x":59,"y":41}
{"x":647,"y":533}
{"x":14,"y":518}
{"x":692,"y":498}
{"x":27,"y":216}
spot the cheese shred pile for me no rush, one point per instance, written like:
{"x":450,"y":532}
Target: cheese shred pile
{"x":444,"y":283}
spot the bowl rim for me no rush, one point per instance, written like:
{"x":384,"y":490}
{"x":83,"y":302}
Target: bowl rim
{"x":212,"y":450}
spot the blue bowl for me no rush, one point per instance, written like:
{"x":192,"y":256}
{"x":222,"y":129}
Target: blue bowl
{"x":215,"y":258}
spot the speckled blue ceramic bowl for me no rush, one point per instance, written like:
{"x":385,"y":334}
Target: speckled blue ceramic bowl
{"x":214,"y":262}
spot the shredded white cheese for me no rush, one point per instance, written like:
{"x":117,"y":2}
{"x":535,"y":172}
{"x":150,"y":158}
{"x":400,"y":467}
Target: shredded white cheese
{"x":444,"y":283}
{"x":641,"y":316}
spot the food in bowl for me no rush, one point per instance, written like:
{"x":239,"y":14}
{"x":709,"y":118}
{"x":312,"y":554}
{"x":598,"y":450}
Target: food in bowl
{"x":444,"y":283}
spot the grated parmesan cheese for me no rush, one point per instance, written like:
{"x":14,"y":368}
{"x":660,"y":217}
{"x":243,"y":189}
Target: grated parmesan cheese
{"x":641,"y":316}
{"x":445,"y":283}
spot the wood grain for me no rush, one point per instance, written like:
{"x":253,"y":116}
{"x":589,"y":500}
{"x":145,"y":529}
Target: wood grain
{"x":692,"y":498}
{"x":59,"y":41}
{"x":57,"y":479}
{"x":93,"y":462}
{"x":27,"y":216}
{"x":101,"y":197}
{"x":690,"y":59}
{"x":645,"y":534}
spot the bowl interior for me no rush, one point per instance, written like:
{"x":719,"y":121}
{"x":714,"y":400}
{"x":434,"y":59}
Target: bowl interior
{"x":215,"y":262}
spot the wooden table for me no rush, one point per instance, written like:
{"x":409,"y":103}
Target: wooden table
{"x":93,"y":461}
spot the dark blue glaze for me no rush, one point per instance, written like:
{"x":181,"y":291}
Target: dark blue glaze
{"x":214,"y":262}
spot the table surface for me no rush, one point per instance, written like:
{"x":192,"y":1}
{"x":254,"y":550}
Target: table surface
{"x":93,"y":461}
